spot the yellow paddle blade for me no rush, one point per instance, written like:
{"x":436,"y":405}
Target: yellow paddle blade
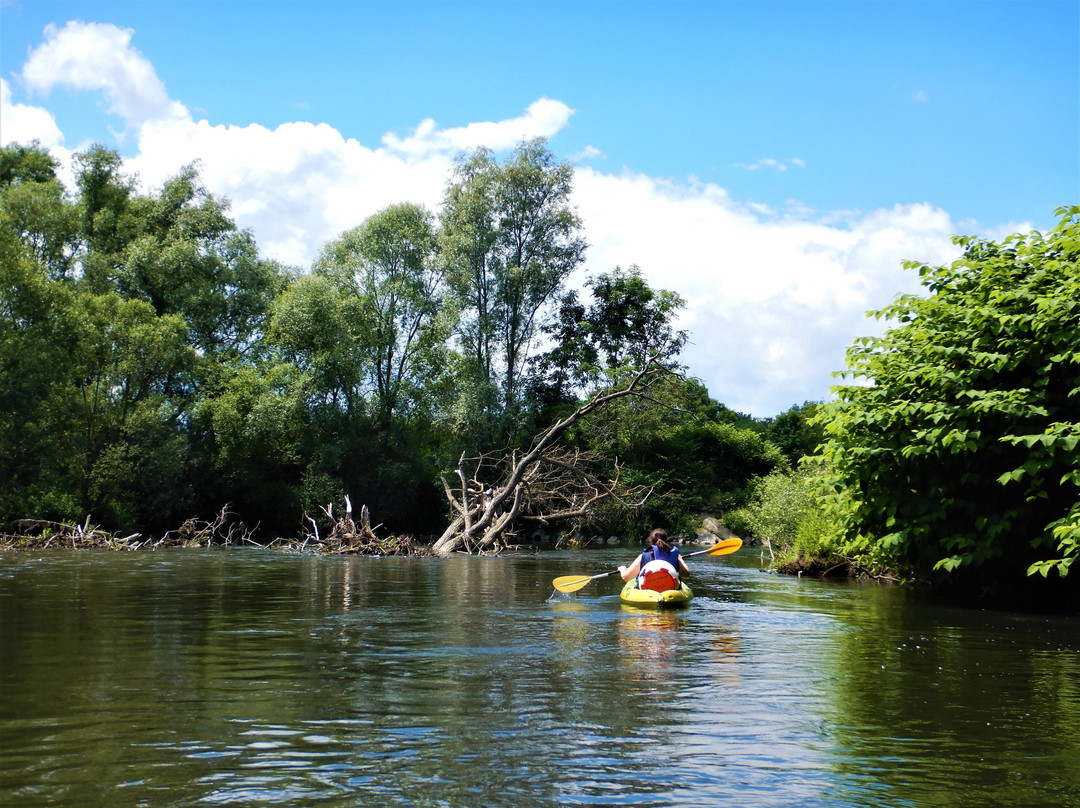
{"x":571,"y":583}
{"x":724,"y":547}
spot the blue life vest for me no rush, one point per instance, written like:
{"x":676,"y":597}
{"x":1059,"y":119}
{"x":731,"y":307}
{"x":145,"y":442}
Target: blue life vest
{"x":654,"y":553}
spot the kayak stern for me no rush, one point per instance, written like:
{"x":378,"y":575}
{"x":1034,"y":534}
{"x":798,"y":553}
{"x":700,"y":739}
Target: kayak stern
{"x":647,"y":598}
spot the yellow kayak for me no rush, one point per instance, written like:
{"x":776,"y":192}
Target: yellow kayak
{"x":672,"y":599}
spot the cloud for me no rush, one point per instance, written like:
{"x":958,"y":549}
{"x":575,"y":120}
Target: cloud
{"x":24,"y":123}
{"x":773,"y":297}
{"x":296,"y":186}
{"x":771,"y":163}
{"x":772,"y":302}
{"x":921,"y":97}
{"x":543,"y":118}
{"x":588,"y":153}
{"x":99,"y":57}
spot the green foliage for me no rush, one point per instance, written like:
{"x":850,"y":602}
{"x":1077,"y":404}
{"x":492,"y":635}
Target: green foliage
{"x":626,"y":324}
{"x":509,"y":238}
{"x":785,"y":513}
{"x":960,"y":450}
{"x":795,"y":432}
{"x":36,"y":398}
{"x":668,"y":441}
{"x":33,"y":207}
{"x":388,"y":264}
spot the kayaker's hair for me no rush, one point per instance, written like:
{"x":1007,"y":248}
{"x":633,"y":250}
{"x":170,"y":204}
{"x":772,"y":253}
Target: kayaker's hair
{"x":659,"y":538}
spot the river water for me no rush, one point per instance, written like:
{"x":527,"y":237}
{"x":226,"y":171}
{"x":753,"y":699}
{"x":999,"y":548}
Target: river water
{"x":258,"y":678}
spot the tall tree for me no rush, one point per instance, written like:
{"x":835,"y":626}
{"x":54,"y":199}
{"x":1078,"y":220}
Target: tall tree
{"x":388,"y":263}
{"x":33,"y":204}
{"x":626,"y":324}
{"x":509,"y":240}
{"x":184,"y":255}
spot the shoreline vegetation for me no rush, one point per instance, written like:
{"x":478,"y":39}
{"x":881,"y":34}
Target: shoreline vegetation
{"x":344,"y":537}
{"x":436,"y":366}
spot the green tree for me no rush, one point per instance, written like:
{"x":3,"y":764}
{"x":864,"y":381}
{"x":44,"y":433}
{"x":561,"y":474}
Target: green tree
{"x":318,"y":327}
{"x":388,"y":263}
{"x":36,"y":337}
{"x":256,"y":423}
{"x":105,"y":226}
{"x":960,"y":451}
{"x":184,"y":255}
{"x":509,"y":239}
{"x":626,"y":323}
{"x":795,"y":432}
{"x":127,"y":364}
{"x":33,"y":205}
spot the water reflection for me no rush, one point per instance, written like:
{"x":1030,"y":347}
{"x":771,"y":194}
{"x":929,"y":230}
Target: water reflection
{"x":232,"y":677}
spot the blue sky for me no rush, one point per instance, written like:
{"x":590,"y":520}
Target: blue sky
{"x":773,"y":162}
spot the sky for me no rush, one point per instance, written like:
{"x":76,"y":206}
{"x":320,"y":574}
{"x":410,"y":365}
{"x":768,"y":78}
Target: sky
{"x":774,"y":163}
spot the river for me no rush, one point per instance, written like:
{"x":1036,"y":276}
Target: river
{"x":258,"y":678}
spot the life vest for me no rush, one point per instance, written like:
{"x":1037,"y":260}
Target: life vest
{"x":659,"y":570}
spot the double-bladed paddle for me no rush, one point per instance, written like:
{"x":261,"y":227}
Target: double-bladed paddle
{"x":572,"y":583}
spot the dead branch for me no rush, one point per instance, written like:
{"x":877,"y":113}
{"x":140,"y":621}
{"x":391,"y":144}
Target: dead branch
{"x":37,"y":534}
{"x":526,"y":488}
{"x":345,"y":537}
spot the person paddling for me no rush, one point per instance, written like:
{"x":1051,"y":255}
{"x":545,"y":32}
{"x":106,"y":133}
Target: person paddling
{"x":658,"y":568}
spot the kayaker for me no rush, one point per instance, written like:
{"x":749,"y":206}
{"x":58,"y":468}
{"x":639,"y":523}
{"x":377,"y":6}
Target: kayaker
{"x":660,"y":567}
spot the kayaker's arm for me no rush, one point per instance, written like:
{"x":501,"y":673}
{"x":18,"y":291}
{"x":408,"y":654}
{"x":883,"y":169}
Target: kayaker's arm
{"x":683,"y":569}
{"x":632,"y":571}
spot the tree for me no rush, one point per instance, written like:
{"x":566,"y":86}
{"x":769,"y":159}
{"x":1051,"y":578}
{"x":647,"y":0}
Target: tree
{"x":626,"y":324}
{"x":33,"y":205}
{"x":104,"y":224}
{"x":795,"y":432}
{"x":36,"y":328}
{"x":388,"y":263}
{"x":509,"y":239}
{"x":318,"y":327}
{"x":185,"y":256}
{"x":960,"y":451}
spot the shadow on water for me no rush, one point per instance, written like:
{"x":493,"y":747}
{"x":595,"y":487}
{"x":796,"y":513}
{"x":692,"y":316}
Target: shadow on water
{"x":233,"y":677}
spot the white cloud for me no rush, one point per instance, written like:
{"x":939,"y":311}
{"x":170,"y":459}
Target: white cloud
{"x":773,"y":298}
{"x":772,"y":303}
{"x":99,"y":57}
{"x":588,"y":153}
{"x":771,"y":163}
{"x":543,"y":118}
{"x":24,"y":123}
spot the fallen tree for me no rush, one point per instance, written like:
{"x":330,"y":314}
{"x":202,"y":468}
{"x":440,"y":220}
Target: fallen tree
{"x":493,"y":497}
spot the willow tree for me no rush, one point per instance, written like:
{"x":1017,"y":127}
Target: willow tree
{"x":388,"y":264}
{"x":961,"y":451}
{"x":509,"y":239}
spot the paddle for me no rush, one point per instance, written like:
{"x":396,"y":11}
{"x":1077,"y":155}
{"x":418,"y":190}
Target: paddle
{"x":572,"y":583}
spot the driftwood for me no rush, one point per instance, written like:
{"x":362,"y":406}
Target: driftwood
{"x":544,"y":484}
{"x":345,"y":537}
{"x":39,"y":534}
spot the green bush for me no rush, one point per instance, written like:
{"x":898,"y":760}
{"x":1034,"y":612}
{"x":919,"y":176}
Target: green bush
{"x":961,"y":453}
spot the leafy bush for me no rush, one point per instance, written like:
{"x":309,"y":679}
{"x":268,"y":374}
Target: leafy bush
{"x":960,"y":449}
{"x":784,"y":514}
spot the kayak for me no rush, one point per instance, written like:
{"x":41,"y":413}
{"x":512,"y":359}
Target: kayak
{"x":672,"y":599}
